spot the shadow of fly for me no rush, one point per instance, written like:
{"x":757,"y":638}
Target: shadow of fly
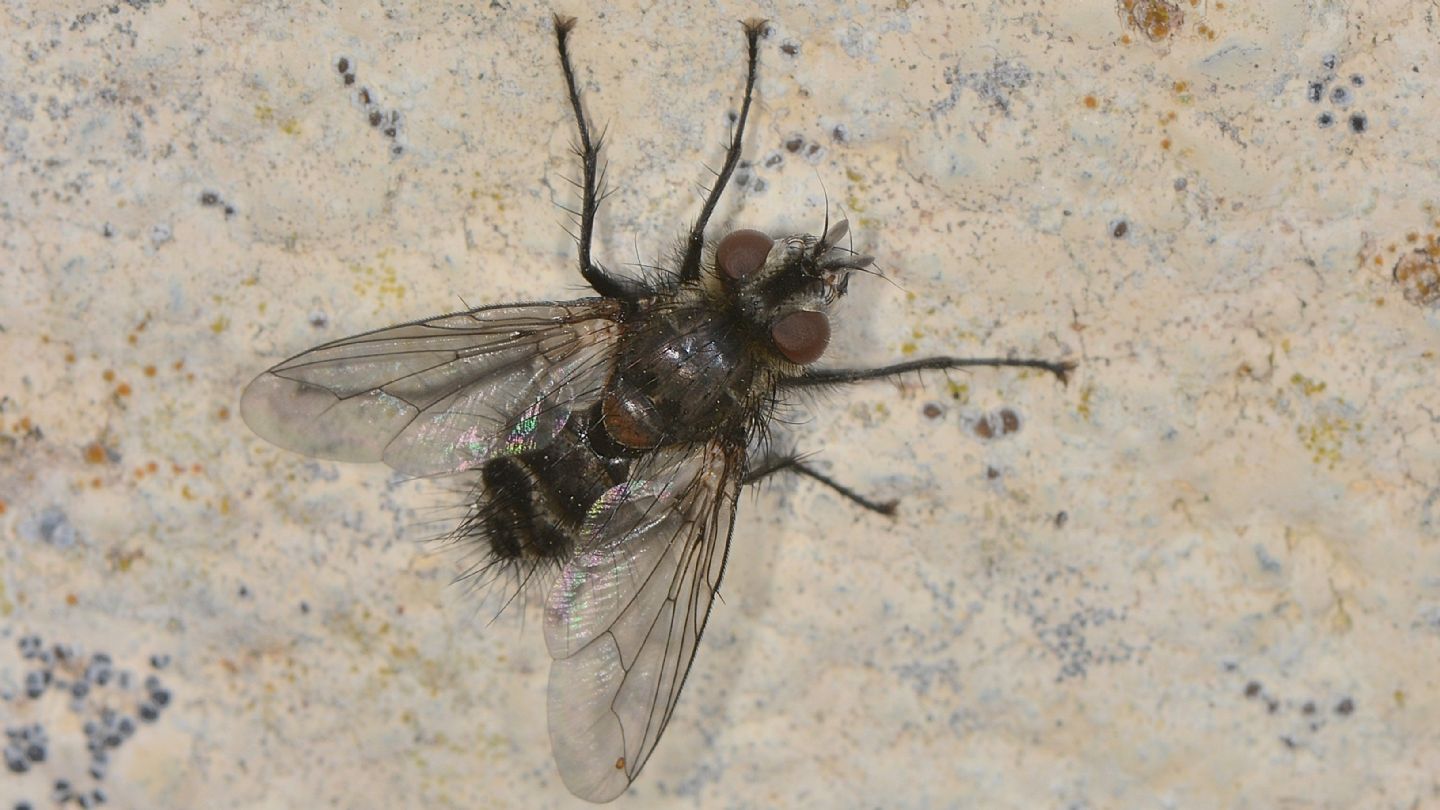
{"x":607,"y":439}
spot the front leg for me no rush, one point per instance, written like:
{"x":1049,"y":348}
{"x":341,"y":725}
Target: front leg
{"x":695,"y":242}
{"x":589,"y":154}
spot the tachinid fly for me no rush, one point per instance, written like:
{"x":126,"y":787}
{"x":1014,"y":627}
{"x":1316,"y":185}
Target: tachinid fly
{"x":608,"y":439}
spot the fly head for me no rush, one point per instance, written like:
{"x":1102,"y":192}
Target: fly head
{"x":784,"y":288}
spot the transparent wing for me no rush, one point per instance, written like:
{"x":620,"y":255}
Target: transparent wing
{"x":439,"y":395}
{"x":624,"y":618}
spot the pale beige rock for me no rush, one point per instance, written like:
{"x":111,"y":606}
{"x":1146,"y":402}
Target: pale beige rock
{"x":1246,"y":461}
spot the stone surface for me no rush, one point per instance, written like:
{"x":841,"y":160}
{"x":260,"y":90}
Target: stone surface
{"x":1204,"y":574}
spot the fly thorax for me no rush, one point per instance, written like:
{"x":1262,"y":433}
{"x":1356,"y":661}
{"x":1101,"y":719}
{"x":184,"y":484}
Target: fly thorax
{"x":680,"y":376}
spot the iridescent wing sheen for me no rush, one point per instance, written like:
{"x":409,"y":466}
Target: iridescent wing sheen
{"x":439,"y":395}
{"x":625,"y":615}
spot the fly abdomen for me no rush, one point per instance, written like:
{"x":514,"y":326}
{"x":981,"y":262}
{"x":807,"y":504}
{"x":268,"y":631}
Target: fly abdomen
{"x":529,"y":506}
{"x":513,"y":513}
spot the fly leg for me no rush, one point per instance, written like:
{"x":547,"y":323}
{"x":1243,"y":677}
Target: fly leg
{"x":695,"y":242}
{"x":792,"y":463}
{"x":841,"y":376}
{"x":592,"y":176}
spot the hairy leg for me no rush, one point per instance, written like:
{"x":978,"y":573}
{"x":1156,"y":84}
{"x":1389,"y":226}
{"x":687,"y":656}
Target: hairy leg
{"x":840,"y":376}
{"x":695,"y":242}
{"x":589,"y":153}
{"x":793,"y":464}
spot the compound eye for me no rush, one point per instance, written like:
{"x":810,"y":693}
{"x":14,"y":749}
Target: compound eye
{"x":801,"y":336}
{"x":743,"y":252}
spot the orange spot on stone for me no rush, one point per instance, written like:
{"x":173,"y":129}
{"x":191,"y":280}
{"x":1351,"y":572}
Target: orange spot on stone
{"x":94,"y":453}
{"x":149,"y":371}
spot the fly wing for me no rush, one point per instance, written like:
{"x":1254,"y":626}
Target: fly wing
{"x":439,"y":395}
{"x":625,"y":615}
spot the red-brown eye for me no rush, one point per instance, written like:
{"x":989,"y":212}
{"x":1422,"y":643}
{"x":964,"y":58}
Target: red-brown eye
{"x":801,"y":336}
{"x":743,"y":252}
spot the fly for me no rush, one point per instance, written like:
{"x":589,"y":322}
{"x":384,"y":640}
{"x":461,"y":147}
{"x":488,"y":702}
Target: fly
{"x":608,"y":439}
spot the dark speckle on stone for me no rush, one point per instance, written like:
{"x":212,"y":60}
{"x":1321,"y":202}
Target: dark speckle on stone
{"x":1345,"y":707}
{"x":1329,"y":61}
{"x":789,"y":47}
{"x":1315,"y":91}
{"x":209,"y":198}
{"x":1120,"y":229}
{"x":343,"y":65}
{"x":1357,"y":80}
{"x":34,"y":684}
{"x":1252,"y":689}
{"x":54,"y":527}
{"x":1340,"y":95}
{"x":1325,"y":120}
{"x":1358,"y":123}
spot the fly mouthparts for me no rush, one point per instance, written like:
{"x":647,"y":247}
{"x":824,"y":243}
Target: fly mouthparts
{"x":846,"y":262}
{"x":833,"y":236}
